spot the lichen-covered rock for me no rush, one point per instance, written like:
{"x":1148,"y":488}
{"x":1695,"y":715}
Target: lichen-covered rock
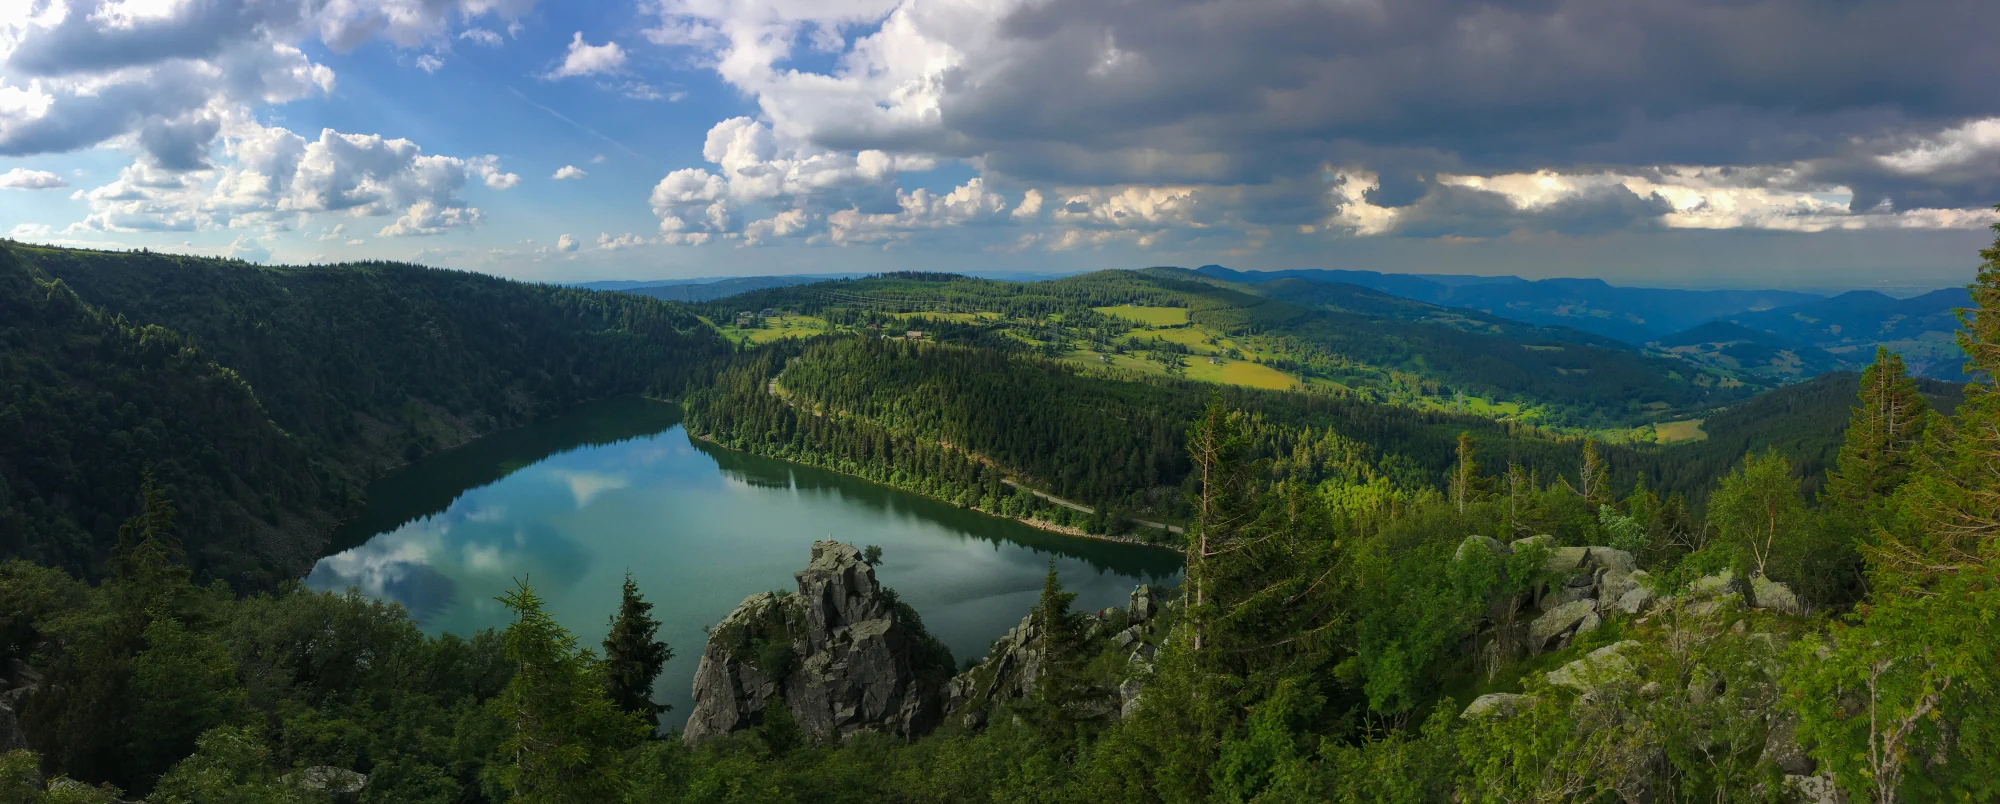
{"x":328,"y":779}
{"x":1774,"y":596}
{"x":1555,"y":627}
{"x":1781,"y":747}
{"x":1142,"y":606}
{"x":1816,"y":789}
{"x":1711,"y":586}
{"x":1491,"y":545}
{"x":844,"y":655}
{"x":1497,"y":704}
{"x":1635,"y":600}
{"x":1604,"y":664}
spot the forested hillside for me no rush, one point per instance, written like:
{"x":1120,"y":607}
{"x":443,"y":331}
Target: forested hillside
{"x":312,"y":381}
{"x":1323,"y":339}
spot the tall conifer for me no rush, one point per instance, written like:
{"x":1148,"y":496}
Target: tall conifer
{"x":1882,"y":436}
{"x":633,"y":657}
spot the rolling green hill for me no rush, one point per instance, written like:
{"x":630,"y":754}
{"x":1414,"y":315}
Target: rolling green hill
{"x":1316,"y":337}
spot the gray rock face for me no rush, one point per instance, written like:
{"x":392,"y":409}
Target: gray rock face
{"x":1011,"y":667}
{"x":1554,"y":629}
{"x":1497,"y":704}
{"x":1816,"y":789}
{"x":1781,"y":747}
{"x":328,"y":779}
{"x":844,"y":659}
{"x":1143,"y":605}
{"x":1635,"y":600}
{"x":1601,"y":665}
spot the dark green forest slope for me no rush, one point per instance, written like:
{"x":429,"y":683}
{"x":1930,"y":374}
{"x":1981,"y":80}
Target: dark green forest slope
{"x":1332,"y":339}
{"x":303,"y":384}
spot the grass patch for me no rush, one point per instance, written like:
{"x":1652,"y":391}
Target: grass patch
{"x":1675,"y":432}
{"x":775,"y":328}
{"x":1150,"y":316}
{"x":1240,"y":372}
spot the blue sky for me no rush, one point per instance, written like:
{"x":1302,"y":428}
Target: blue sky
{"x":1652,"y":142}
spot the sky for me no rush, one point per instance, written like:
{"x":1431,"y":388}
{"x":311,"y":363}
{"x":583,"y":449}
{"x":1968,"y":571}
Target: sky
{"x":1675,"y":143}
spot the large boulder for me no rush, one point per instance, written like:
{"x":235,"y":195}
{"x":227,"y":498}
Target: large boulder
{"x":1556,"y":626}
{"x":845,"y":656}
{"x":1635,"y":600}
{"x":328,"y":779}
{"x":1602,"y":665}
{"x":1497,"y":704}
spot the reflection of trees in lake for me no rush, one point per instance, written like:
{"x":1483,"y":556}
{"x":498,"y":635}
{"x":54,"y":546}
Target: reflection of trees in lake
{"x":429,"y":487}
{"x":1149,"y":564}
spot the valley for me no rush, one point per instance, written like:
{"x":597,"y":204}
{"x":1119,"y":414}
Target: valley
{"x":1279,"y":479}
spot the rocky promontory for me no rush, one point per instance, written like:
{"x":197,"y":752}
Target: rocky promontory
{"x":843,"y":654}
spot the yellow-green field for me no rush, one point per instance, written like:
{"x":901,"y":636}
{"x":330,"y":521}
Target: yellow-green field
{"x":775,"y":328}
{"x":1228,"y":372}
{"x":1670,"y":432}
{"x":1150,"y":316}
{"x":1239,"y":372}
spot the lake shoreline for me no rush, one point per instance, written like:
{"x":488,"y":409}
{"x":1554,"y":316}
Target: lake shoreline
{"x":1037,"y":524}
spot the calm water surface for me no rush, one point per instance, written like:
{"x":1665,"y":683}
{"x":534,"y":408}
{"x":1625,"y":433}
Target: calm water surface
{"x":574,"y":503}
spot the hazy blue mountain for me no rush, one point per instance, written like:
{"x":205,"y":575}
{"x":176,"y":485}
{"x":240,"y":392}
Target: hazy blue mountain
{"x":1744,"y":351}
{"x":1853,"y":324}
{"x":1632,"y":315}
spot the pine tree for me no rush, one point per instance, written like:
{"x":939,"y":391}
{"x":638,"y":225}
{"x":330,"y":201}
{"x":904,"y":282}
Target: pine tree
{"x":1882,"y":436}
{"x":1058,"y":682}
{"x":565,"y":739}
{"x":1214,"y":446}
{"x":1465,"y":476}
{"x":633,"y":658}
{"x":1954,"y":499}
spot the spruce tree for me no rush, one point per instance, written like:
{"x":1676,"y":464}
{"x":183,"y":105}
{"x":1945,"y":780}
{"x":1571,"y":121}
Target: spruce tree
{"x":1058,"y":683}
{"x":1882,"y":436}
{"x":1464,"y":476}
{"x":1954,"y":499}
{"x":633,"y":658}
{"x":565,"y":740}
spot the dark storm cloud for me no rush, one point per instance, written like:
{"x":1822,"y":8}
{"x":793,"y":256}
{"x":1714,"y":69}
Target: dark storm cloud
{"x":1471,"y":212}
{"x":1229,"y":91}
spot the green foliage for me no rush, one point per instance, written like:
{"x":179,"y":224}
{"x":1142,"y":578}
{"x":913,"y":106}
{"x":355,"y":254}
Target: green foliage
{"x":564,"y":737}
{"x":116,"y":363}
{"x":1759,"y":512}
{"x":230,"y":766}
{"x":633,"y":658}
{"x":1060,"y":691}
{"x":1882,"y":437}
{"x":1904,"y":700}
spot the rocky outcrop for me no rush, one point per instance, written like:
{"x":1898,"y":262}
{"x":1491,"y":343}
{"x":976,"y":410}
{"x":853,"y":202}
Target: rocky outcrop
{"x":1556,"y":627}
{"x":1602,"y":665}
{"x":1497,"y":704}
{"x":327,"y":779}
{"x":1012,"y":665}
{"x":843,"y":653}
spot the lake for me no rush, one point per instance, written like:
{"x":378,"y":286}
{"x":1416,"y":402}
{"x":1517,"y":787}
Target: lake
{"x":575,"y":502}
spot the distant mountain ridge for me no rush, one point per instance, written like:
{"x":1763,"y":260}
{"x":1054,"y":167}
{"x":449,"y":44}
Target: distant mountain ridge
{"x":1770,"y":333}
{"x":1852,"y":324}
{"x":1633,"y":315}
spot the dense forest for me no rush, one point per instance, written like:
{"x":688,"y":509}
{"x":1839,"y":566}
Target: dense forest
{"x":1352,"y":341}
{"x":1353,"y":625}
{"x":264,"y":398}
